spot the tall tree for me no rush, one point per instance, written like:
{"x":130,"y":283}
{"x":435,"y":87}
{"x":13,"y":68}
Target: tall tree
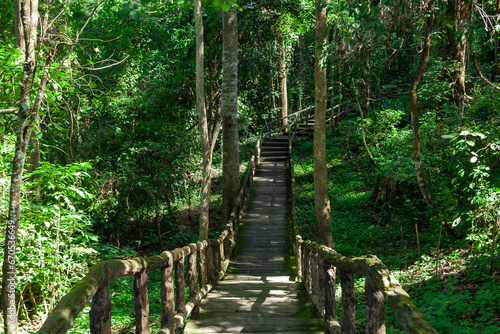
{"x":26,"y":24}
{"x":417,"y":159}
{"x":282,"y":83}
{"x":231,"y":162}
{"x":322,"y":202}
{"x":34,"y":155}
{"x":39,"y":55}
{"x":458,"y":13}
{"x":207,"y":138}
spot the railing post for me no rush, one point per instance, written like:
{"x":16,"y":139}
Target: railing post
{"x":322,"y":282}
{"x":313,"y":267}
{"x":180,"y":285}
{"x":221,"y":258}
{"x":348,"y":309}
{"x":167,"y":295}
{"x":193,"y":280}
{"x":329,"y":282}
{"x":298,"y":259}
{"x":228,"y":246}
{"x":307,"y":269}
{"x":210,"y":263}
{"x":141,"y":303}
{"x":100,"y":312}
{"x":375,"y":308}
{"x":202,"y":265}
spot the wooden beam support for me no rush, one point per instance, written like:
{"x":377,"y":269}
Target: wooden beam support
{"x":141,"y":303}
{"x":167,"y":297}
{"x":193,"y":282}
{"x":348,"y":308}
{"x":375,"y":307}
{"x":100,"y":311}
{"x":180,"y":286}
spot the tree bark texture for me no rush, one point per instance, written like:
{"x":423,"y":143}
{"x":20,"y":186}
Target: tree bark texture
{"x":322,"y":201}
{"x":417,"y":159}
{"x":203,"y":125}
{"x":283,"y":100}
{"x":31,"y":10}
{"x":27,"y":16}
{"x":230,"y":162}
{"x":458,"y":13}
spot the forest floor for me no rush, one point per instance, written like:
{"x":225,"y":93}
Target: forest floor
{"x":456,"y":287}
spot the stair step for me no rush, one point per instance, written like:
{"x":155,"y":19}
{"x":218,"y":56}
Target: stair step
{"x":274,"y":158}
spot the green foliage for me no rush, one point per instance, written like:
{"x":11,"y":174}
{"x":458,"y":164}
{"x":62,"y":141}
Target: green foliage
{"x":473,"y":166}
{"x":460,"y":297}
{"x":10,"y":76}
{"x":54,"y":230}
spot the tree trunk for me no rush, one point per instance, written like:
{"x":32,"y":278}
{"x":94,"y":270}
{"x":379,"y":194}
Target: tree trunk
{"x":459,"y":13}
{"x":203,"y":125}
{"x":230,"y":162}
{"x":28,"y":16}
{"x":414,"y":110}
{"x":322,"y":201}
{"x":415,"y":119}
{"x":34,"y":158}
{"x":283,"y":100}
{"x":32,"y":12}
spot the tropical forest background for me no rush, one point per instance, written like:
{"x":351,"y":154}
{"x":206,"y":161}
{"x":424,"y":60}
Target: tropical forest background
{"x":114,"y":163}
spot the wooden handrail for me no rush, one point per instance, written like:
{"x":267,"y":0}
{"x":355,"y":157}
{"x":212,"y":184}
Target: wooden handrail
{"x":207,"y":264}
{"x":316,"y":265}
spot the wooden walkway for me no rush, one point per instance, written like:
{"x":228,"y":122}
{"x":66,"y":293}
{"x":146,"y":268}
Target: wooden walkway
{"x":260,"y":293}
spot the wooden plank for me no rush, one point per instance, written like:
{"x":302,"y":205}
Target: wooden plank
{"x":246,"y":325}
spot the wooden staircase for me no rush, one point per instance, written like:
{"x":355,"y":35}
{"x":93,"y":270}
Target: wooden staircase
{"x":260,"y":294}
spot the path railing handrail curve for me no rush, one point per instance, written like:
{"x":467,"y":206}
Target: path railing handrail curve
{"x":316,"y":265}
{"x":207,"y":263}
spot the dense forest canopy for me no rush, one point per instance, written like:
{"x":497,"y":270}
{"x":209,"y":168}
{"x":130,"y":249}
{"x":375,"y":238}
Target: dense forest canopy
{"x":114,"y":161}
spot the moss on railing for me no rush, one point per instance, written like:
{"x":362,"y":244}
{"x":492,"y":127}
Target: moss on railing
{"x":378,"y":280}
{"x":96,"y":282}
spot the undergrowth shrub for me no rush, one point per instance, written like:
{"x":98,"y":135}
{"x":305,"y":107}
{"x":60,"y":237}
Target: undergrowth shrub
{"x":54,"y":240}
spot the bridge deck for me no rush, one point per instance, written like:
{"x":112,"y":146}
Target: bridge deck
{"x":260,"y":293}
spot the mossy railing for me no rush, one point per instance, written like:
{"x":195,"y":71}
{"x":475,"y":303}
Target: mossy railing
{"x":207,"y":264}
{"x":317,"y":266}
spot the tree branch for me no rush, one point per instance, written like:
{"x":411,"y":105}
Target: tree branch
{"x":478,"y":70}
{"x":9,"y":111}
